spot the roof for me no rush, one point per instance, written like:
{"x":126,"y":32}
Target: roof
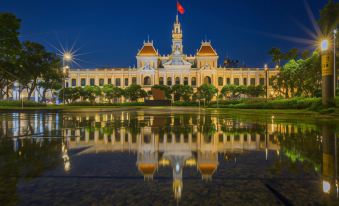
{"x":148,"y":50}
{"x":206,"y":49}
{"x":147,"y":169}
{"x":207,"y":169}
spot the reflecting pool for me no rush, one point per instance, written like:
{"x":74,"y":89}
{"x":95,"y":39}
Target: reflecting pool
{"x":167,"y":157}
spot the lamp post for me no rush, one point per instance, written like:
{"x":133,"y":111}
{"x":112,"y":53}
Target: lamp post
{"x":334,"y":60}
{"x":266,"y":77}
{"x":327,"y":74}
{"x":67,"y":58}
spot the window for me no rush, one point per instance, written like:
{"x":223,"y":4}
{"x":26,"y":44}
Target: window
{"x":194,"y":82}
{"x":92,"y":82}
{"x":109,"y":81}
{"x":147,"y":81}
{"x":236,"y":81}
{"x":245,"y":81}
{"x":228,"y":81}
{"x":262,"y":81}
{"x":169,"y":81}
{"x":177,"y":81}
{"x":207,"y":80}
{"x":126,"y":82}
{"x":134,"y":80}
{"x":220,"y":81}
{"x":161,"y":81}
{"x":83,"y":82}
{"x":101,"y":82}
{"x":253,"y":81}
{"x":74,"y":82}
{"x":186,"y":81}
{"x":67,"y":84}
{"x":117,"y":82}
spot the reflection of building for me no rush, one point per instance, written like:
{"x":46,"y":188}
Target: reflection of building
{"x":163,"y":141}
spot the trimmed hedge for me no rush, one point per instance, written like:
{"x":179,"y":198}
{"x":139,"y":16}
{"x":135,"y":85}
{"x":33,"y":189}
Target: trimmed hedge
{"x":294,"y":103}
{"x":186,"y":104}
{"x":107,"y":104}
{"x":15,"y":103}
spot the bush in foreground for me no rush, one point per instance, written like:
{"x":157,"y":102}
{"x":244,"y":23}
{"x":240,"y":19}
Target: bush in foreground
{"x":106,"y":104}
{"x":12,"y":103}
{"x":293,"y":103}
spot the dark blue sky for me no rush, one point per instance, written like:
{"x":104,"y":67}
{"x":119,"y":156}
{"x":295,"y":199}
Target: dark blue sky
{"x":109,"y":33}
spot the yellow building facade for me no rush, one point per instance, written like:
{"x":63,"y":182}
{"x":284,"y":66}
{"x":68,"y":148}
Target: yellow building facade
{"x":175,"y":68}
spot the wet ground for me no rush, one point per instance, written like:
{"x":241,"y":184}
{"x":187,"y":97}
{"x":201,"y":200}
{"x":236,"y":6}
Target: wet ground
{"x":166,"y":157}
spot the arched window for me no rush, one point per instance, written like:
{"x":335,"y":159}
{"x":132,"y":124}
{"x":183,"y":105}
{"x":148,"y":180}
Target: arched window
{"x":161,"y":81}
{"x":177,"y":80}
{"x":193,"y":82}
{"x":208,"y":80}
{"x":220,"y":81}
{"x":147,"y":81}
{"x":186,"y":81}
{"x":169,"y":81}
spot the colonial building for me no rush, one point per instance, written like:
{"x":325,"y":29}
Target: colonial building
{"x":175,"y":68}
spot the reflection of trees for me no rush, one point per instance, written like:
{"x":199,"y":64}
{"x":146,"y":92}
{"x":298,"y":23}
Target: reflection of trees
{"x":302,"y":147}
{"x":30,"y":161}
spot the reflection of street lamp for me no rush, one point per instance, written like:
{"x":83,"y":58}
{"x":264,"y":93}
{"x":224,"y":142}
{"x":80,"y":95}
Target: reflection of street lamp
{"x":327,"y":74}
{"x":266,"y":77}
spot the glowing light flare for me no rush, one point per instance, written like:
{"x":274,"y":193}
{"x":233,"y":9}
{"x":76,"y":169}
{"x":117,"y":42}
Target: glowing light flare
{"x":326,"y":187}
{"x":324,"y":45}
{"x":68,"y":56}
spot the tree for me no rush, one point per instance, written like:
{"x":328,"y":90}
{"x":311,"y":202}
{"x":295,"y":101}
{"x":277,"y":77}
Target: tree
{"x":255,"y":91}
{"x":9,"y":51}
{"x":111,"y":92}
{"x":90,"y":93}
{"x":69,"y":94}
{"x":329,"y":17}
{"x":291,"y":54}
{"x":182,"y":92}
{"x":51,"y":81}
{"x":36,"y":63}
{"x":134,"y":92}
{"x":276,"y":55}
{"x":207,"y":92}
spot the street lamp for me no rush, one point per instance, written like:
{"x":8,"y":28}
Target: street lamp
{"x":327,"y":74}
{"x":334,"y":60}
{"x":67,"y":58}
{"x":266,"y":77}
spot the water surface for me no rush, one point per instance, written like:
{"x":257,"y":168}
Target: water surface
{"x":167,"y":157}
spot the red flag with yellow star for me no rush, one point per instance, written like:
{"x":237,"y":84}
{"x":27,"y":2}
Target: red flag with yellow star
{"x":180,"y":8}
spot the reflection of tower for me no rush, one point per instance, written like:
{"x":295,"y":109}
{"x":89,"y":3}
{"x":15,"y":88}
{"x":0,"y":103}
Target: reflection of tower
{"x":329,"y":160}
{"x":207,"y":164}
{"x":177,"y":159}
{"x":147,"y":160}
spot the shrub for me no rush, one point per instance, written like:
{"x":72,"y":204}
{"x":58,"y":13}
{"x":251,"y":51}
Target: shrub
{"x":107,"y":104}
{"x":15,"y":103}
{"x":185,"y":104}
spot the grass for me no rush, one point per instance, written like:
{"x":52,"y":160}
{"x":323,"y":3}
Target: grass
{"x":313,"y":104}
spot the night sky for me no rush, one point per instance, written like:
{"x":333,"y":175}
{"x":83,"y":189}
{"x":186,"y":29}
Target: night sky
{"x":109,"y":33}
